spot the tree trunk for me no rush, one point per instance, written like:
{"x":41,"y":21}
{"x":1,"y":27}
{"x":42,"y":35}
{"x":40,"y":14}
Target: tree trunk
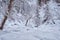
{"x":42,"y":1}
{"x":5,"y":17}
{"x":4,"y":20}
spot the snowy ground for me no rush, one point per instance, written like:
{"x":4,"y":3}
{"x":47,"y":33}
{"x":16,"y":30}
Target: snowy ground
{"x":20,"y":32}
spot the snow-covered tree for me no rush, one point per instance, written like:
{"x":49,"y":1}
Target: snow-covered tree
{"x":6,"y":13}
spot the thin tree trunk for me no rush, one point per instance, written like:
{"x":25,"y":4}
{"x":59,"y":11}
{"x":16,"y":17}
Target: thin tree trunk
{"x":5,"y":17}
{"x":4,"y":20}
{"x":41,"y":2}
{"x":27,"y":21}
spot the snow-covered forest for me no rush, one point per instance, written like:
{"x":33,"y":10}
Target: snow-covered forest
{"x":29,"y":19}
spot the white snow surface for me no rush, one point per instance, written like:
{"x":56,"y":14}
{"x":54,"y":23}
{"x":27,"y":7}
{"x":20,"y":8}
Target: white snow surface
{"x":21,"y":32}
